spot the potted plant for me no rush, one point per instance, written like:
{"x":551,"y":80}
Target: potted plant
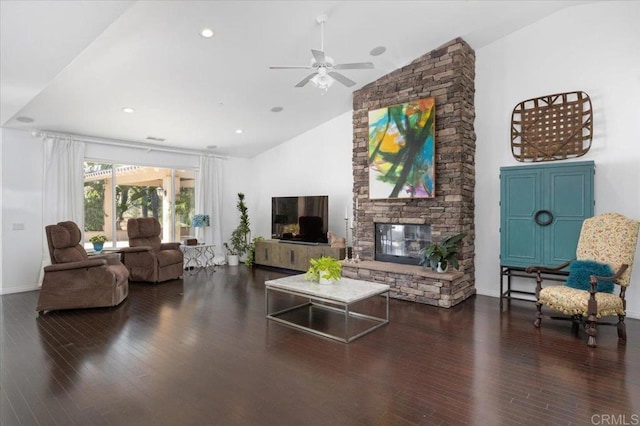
{"x":240,"y":239}
{"x":98,"y":242}
{"x":440,"y":255}
{"x":251,"y":254}
{"x":324,"y":270}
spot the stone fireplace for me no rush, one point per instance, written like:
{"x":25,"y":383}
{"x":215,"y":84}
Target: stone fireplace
{"x":447,"y":74}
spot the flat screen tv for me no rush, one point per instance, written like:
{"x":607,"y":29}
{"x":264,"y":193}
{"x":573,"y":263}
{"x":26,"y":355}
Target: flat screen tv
{"x":303,"y":219}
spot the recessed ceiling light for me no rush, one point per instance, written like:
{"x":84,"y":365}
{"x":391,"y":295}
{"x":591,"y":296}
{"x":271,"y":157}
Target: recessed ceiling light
{"x":239,"y":131}
{"x":207,"y":33}
{"x":23,"y":119}
{"x":276,"y":109}
{"x":377,"y":51}
{"x":155,"y":139}
{"x":128,"y":110}
{"x":212,"y":146}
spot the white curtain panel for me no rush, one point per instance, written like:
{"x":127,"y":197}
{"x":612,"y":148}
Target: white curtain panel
{"x":63,"y":186}
{"x":208,"y":200}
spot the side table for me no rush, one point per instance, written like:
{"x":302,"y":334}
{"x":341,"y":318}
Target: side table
{"x":194,"y":256}
{"x":113,"y":257}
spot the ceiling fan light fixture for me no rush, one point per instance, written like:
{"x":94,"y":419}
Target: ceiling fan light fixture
{"x":322,"y":80}
{"x":324,"y":68}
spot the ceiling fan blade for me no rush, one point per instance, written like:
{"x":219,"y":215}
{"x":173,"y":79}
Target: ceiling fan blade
{"x":318,"y":55}
{"x":342,"y":79}
{"x":302,"y":67}
{"x":306,"y":79}
{"x":354,"y":66}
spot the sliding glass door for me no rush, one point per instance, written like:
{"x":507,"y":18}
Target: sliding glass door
{"x":115,"y":193}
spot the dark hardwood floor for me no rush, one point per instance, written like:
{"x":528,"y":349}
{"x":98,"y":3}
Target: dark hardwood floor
{"x":200,"y":351}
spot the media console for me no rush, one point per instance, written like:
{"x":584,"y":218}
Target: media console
{"x":293,"y":255}
{"x":305,"y":243}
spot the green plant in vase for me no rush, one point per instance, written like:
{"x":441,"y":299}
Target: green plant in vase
{"x":251,"y":254}
{"x":239,"y":243}
{"x":440,"y":255}
{"x":98,"y":242}
{"x":324,"y":269}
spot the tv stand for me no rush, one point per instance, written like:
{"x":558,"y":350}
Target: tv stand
{"x":308,"y":243}
{"x":294,"y":255}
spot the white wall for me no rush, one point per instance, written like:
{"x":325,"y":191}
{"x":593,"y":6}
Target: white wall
{"x":21,"y":205}
{"x":238,"y":176}
{"x":594,"y":48}
{"x":141,"y":157}
{"x":317,"y":162}
{"x":1,"y":223}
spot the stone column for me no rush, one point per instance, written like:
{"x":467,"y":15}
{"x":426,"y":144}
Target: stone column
{"x":447,"y":74}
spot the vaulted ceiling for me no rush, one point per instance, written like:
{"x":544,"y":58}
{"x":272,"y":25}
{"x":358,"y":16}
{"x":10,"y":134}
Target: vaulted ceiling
{"x":72,"y":66}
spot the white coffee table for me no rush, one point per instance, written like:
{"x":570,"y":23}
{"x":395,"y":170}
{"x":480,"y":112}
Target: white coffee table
{"x":337,"y":297}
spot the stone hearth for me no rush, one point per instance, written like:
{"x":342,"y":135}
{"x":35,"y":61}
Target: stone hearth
{"x":413,"y":283}
{"x":447,"y":74}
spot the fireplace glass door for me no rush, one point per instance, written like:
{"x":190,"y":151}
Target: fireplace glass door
{"x":401,"y":243}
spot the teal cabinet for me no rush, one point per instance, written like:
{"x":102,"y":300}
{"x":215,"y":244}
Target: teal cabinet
{"x":542,"y":208}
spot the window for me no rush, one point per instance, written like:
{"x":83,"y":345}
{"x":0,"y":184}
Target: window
{"x":115,"y":193}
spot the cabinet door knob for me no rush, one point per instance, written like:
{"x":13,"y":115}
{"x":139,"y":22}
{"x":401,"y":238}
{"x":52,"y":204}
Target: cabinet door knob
{"x":542,"y":213}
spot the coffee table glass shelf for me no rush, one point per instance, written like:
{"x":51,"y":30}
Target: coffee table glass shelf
{"x":326,"y":305}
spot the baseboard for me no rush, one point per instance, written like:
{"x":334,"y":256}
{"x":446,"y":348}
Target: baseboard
{"x":493,"y":293}
{"x":21,"y":289}
{"x":630,"y":314}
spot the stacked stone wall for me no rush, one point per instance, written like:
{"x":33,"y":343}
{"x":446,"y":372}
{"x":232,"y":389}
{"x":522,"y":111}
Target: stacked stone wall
{"x":446,"y":74}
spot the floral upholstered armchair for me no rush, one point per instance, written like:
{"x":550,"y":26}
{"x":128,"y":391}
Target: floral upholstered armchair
{"x":604,"y":257}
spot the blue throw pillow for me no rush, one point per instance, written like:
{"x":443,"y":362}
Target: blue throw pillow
{"x":580,"y":272}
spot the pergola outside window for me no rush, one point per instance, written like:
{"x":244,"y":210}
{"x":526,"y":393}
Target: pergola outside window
{"x":115,"y":193}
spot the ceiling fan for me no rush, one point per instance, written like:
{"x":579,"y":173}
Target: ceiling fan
{"x":323,"y":66}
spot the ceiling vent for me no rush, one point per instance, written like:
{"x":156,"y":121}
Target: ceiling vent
{"x":153,"y":138}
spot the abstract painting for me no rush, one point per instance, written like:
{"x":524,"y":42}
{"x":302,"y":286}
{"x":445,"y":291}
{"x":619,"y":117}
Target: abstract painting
{"x":402,"y":150}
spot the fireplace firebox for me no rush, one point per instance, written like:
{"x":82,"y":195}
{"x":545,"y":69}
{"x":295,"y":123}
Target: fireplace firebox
{"x":401,"y":243}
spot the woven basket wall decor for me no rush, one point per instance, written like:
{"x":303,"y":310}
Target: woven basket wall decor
{"x":552,"y":127}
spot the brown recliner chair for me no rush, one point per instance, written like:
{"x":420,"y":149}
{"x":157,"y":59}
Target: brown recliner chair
{"x":147,"y":258}
{"x":75,"y":281}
